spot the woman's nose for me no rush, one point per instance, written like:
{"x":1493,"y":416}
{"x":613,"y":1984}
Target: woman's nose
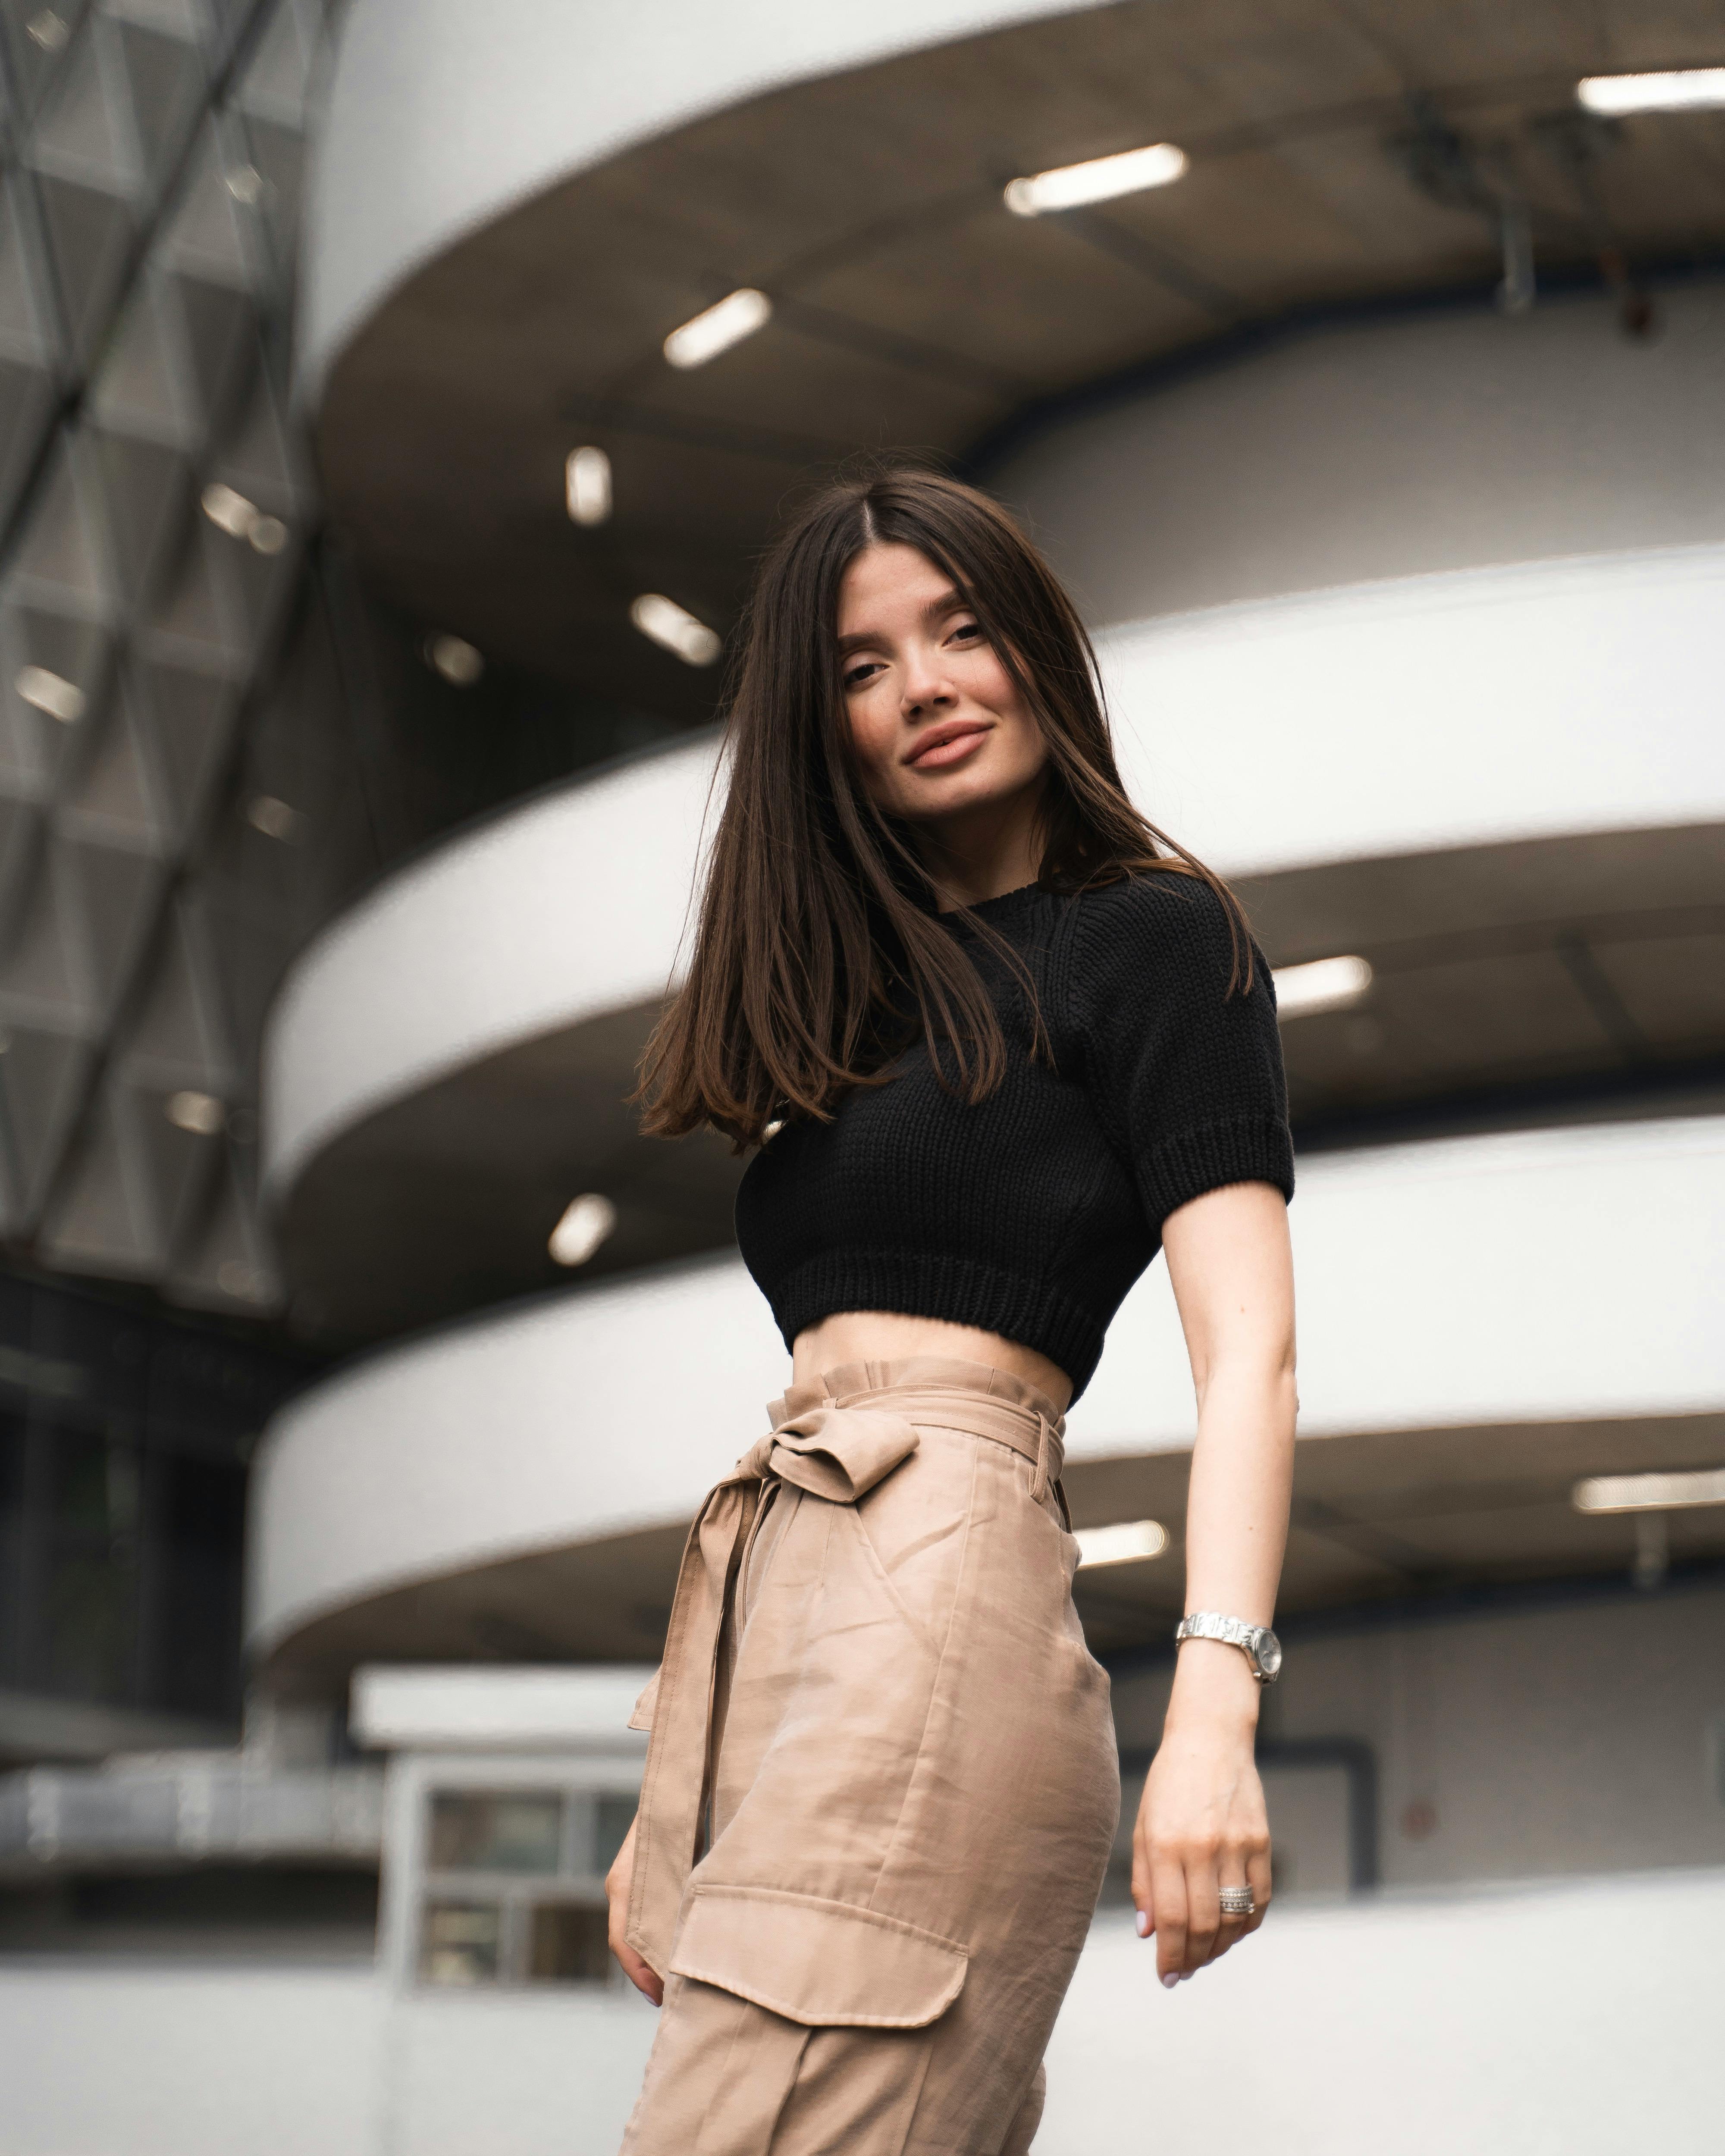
{"x":925,"y":687}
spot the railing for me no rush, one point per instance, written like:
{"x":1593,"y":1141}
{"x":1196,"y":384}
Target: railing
{"x":189,"y":1808}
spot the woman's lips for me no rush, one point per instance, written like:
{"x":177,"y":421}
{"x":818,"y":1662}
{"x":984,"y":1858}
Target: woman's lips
{"x":953,"y":749}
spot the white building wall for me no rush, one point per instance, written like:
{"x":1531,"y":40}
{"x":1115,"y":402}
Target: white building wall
{"x":1439,"y":441}
{"x":1584,"y":1736}
{"x":1571,"y":2020}
{"x":159,"y":2059}
{"x":1577,"y":2021}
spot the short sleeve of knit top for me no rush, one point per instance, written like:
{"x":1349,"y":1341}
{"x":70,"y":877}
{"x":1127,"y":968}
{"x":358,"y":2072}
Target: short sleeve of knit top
{"x":1031,"y":1213}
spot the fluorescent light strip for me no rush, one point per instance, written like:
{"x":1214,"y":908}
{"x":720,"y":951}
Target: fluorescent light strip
{"x":587,"y":486}
{"x":202,"y":1114}
{"x":1128,"y":1542}
{"x":1650,"y":1493}
{"x":52,"y":693}
{"x":586,"y":1222}
{"x":1327,"y":984}
{"x":1683,"y":90}
{"x":1067,"y":187}
{"x":675,"y":628}
{"x":460,"y":662}
{"x":736,"y":316}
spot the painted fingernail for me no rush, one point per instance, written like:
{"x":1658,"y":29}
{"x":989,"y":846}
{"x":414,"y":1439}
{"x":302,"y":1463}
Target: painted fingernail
{"x":1170,"y":1980}
{"x":1143,"y":1923}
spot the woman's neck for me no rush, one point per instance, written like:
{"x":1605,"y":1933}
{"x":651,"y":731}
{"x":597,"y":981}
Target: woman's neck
{"x":987,"y":852}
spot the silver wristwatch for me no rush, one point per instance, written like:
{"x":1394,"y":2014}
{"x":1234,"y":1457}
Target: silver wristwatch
{"x":1256,"y":1642}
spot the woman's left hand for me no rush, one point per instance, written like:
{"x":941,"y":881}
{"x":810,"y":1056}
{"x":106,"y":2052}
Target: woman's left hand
{"x":1201,"y":1827}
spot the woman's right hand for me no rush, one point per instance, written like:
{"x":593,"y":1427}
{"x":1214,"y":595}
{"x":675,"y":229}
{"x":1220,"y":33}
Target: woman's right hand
{"x":618,"y":1881}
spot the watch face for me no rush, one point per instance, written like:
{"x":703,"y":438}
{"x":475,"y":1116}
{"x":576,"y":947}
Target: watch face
{"x":1269,"y":1653}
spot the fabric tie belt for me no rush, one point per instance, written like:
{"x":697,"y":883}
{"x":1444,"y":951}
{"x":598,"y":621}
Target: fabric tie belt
{"x":832,"y":1452}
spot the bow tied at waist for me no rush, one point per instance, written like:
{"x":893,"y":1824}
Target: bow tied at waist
{"x":836,"y":1453}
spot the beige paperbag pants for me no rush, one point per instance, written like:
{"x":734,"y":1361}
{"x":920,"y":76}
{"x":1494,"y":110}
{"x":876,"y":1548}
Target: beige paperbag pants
{"x":877,"y":1698}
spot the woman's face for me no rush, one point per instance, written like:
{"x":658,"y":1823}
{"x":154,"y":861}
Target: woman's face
{"x":938,"y":728}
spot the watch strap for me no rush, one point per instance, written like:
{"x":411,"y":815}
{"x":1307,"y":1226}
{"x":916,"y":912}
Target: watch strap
{"x":1232,"y":1631}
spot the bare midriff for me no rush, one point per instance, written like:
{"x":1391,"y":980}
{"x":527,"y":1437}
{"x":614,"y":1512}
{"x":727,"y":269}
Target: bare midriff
{"x":888,"y":1336}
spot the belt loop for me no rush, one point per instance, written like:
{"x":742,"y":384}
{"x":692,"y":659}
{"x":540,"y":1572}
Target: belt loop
{"x":1038,"y":1486}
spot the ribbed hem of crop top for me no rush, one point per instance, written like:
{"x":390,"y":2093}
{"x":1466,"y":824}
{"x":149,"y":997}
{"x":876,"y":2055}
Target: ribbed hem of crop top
{"x":1031,"y":1214}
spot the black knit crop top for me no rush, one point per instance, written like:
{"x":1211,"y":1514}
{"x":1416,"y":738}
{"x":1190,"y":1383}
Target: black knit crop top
{"x":1031,"y":1214}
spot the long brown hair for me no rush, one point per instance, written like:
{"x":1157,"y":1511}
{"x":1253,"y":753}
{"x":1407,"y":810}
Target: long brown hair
{"x":817,"y":933}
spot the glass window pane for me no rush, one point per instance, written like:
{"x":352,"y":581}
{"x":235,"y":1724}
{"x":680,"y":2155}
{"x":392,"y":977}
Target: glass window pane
{"x":201,"y":1518}
{"x":460,"y":1942}
{"x":502,"y":1831}
{"x":12,"y":1546}
{"x":567,"y":1945}
{"x":90,"y":1612}
{"x":88,"y":1628}
{"x":81,"y":1491}
{"x":616,"y":1816}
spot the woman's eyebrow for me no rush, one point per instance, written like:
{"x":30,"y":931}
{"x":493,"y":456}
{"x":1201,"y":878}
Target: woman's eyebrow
{"x":949,"y":601}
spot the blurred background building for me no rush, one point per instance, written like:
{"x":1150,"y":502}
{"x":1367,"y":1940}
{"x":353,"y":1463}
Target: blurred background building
{"x":366,"y":576}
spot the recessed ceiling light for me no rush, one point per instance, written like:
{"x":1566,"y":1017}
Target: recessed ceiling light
{"x":676,"y":629}
{"x":1650,"y":1493}
{"x":1327,"y":984}
{"x":246,"y":1283}
{"x":587,"y":1222}
{"x":736,"y":316}
{"x":1100,"y":180}
{"x":52,"y":693}
{"x":274,"y":819}
{"x":201,"y":1113}
{"x":1683,"y":90}
{"x":1129,"y":1542}
{"x":460,"y":662}
{"x":229,"y":510}
{"x":587,"y":486}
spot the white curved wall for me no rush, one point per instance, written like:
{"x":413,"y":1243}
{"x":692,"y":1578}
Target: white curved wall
{"x":442,"y":115}
{"x":1437,"y":441}
{"x":1429,"y":711}
{"x":1532,"y":1277}
{"x":1424,"y":712}
{"x":573,"y":905}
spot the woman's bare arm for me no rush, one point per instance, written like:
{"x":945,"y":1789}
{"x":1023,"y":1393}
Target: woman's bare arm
{"x":1202,"y":1824}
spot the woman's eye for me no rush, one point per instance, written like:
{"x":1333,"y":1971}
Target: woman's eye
{"x":968,"y":628}
{"x":854,"y":676}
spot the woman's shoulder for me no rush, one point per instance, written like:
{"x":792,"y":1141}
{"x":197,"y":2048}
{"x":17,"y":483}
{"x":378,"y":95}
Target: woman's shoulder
{"x":1164,"y":917}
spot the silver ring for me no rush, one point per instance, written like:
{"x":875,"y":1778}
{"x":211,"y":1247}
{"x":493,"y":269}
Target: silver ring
{"x":1238,"y":1902}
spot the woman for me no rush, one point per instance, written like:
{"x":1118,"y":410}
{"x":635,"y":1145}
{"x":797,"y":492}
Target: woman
{"x":996,"y":1041}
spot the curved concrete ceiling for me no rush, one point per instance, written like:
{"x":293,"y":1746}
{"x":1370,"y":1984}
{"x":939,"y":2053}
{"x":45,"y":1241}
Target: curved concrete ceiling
{"x":437,"y":123}
{"x":1562,"y":1282}
{"x":909,"y":308}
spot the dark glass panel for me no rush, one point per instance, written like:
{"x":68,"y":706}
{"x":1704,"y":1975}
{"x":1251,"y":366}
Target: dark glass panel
{"x":567,"y":1945}
{"x":461,"y":1943}
{"x":12,"y":1435}
{"x":202,"y":1526}
{"x":503,"y":1831}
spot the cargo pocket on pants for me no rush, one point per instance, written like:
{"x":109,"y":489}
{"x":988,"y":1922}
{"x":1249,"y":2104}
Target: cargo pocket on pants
{"x":826,"y":1964}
